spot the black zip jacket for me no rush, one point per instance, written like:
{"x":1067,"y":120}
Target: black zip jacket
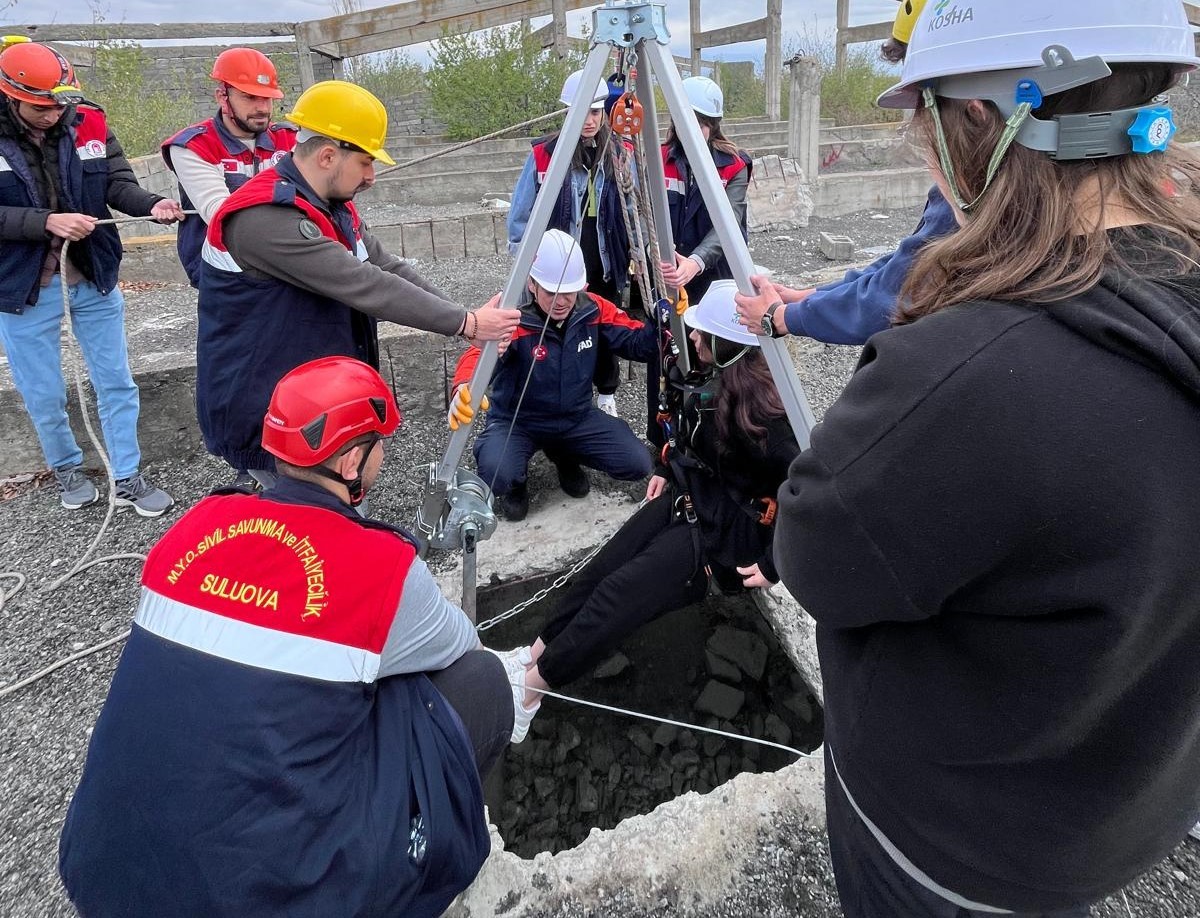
{"x":996,"y":530}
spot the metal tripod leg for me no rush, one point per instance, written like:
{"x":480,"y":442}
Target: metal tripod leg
{"x":433,"y":507}
{"x":656,"y":184}
{"x":799,"y":411}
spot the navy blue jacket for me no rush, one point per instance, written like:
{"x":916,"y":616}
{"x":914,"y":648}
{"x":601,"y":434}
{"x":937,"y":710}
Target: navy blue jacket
{"x":88,"y":169}
{"x":863,"y":302}
{"x":213,"y":143}
{"x":252,"y":330}
{"x":560,"y":391}
{"x":226,"y":780}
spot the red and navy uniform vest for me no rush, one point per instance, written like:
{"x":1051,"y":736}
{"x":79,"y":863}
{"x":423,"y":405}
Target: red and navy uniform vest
{"x":610,"y":224}
{"x":81,"y":183}
{"x":212,"y":142}
{"x":253,"y":330}
{"x":690,"y":220}
{"x":247,"y":761}
{"x":559,"y":394}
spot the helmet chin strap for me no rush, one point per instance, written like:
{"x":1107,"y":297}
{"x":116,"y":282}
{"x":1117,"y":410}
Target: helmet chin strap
{"x":353,"y":485}
{"x":228,"y":112}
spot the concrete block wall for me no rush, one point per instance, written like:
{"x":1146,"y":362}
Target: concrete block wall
{"x":185,"y":77}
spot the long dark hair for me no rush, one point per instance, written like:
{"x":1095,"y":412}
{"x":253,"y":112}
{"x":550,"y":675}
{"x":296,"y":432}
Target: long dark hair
{"x":1026,"y":240}
{"x":716,"y":137}
{"x":747,"y":399}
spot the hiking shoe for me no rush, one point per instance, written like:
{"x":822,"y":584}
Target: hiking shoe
{"x":515,"y":504}
{"x":514,"y":669}
{"x":573,"y":479}
{"x":146,"y":499}
{"x":74,"y":488}
{"x":608,"y":405}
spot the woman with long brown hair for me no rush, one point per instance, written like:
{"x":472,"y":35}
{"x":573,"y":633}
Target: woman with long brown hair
{"x":709,"y":510}
{"x":995,"y":527}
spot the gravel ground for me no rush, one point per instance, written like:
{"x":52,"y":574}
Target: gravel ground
{"x":44,"y":728}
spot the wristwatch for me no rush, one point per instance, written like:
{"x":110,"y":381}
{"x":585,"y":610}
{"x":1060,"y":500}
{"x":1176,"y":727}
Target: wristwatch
{"x":768,"y":321}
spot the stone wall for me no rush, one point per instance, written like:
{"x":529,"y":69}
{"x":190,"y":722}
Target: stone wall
{"x":412,"y":115}
{"x":183,"y":74}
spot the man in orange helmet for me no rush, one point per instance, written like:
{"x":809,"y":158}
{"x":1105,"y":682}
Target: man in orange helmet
{"x":61,"y":168}
{"x":214,"y":158}
{"x":300,"y":720}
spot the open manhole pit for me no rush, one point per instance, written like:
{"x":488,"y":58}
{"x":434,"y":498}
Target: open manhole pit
{"x":715,"y":664}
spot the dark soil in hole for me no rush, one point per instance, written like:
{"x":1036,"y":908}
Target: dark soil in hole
{"x":582,"y":768}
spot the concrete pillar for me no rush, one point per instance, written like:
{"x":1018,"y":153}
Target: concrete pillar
{"x":559,"y":26}
{"x":843,"y":23}
{"x":693,"y":31}
{"x":804,"y":115}
{"x":773,"y":64}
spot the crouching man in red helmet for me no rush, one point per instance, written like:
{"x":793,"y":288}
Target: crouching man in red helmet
{"x":300,"y":720}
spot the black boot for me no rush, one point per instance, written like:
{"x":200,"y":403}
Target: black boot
{"x":515,"y":504}
{"x":573,"y":479}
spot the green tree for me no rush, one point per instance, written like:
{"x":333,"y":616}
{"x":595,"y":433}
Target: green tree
{"x":140,"y":119}
{"x":484,"y":81}
{"x":847,"y":94}
{"x":389,"y":75}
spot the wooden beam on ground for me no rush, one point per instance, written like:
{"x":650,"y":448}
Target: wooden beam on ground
{"x":732,"y":35}
{"x":151,"y":31}
{"x":401,"y":24}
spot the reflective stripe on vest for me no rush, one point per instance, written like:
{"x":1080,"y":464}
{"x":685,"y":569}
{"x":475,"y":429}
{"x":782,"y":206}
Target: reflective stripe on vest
{"x":252,"y":645}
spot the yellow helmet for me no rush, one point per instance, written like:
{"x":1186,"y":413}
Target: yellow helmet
{"x":906,"y":19}
{"x":345,"y":112}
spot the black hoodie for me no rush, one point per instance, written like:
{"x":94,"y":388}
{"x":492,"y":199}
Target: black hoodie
{"x":996,"y":530}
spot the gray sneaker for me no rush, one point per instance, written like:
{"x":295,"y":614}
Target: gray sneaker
{"x":146,"y":499}
{"x":74,"y":488}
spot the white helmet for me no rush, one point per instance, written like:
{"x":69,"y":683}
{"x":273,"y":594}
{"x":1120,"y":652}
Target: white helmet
{"x":704,"y":96}
{"x":571,"y":87}
{"x":955,"y":38}
{"x":716,"y":313}
{"x":558,"y":265}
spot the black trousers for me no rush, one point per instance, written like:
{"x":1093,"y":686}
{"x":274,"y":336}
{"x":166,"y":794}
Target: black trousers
{"x":477,"y":687}
{"x":649,"y":568}
{"x":871,"y":885}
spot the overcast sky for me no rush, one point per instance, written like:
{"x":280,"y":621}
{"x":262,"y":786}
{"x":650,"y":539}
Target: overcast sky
{"x":801,"y":18}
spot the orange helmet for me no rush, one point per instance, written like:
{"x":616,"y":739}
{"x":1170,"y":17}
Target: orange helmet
{"x":37,"y":74}
{"x":322,"y":405}
{"x":248,"y":70}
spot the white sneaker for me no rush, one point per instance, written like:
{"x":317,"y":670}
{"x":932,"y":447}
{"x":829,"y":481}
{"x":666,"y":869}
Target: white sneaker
{"x":607,"y":404}
{"x":514,"y":668}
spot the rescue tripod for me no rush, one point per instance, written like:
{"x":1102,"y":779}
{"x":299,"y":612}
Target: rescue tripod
{"x":457,"y":509}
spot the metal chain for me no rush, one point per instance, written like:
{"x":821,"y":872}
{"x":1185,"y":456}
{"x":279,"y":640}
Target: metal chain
{"x":543,"y":592}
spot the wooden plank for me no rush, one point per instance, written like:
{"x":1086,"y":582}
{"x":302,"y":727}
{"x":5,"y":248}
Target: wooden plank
{"x":693,"y":30}
{"x":731,"y":35}
{"x":1193,"y":13}
{"x":424,"y":18}
{"x":875,"y":31}
{"x":150,"y":31}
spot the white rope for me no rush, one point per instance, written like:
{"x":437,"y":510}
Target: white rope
{"x":675,"y":723}
{"x":74,"y":360}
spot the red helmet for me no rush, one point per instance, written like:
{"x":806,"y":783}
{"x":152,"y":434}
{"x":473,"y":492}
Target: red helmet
{"x":248,"y":70}
{"x":324,"y":404}
{"x":39,"y":75}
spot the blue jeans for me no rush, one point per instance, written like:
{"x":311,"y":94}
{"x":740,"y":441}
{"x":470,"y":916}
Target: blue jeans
{"x":31,"y":341}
